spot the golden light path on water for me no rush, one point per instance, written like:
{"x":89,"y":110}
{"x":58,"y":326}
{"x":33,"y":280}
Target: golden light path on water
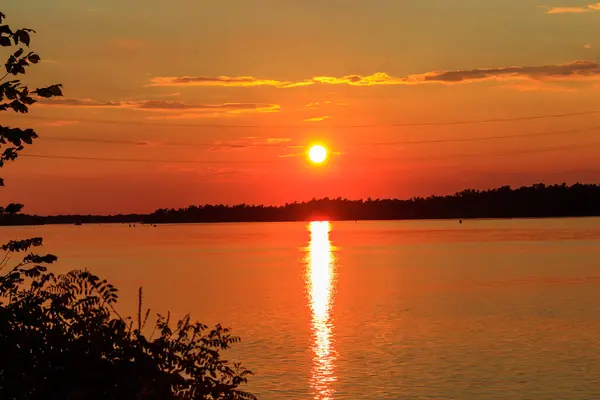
{"x":320,"y":279}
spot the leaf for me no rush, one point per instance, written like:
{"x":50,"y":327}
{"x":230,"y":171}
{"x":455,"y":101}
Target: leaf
{"x":23,"y":36}
{"x":5,"y":41}
{"x":11,"y":92}
{"x":28,"y":101}
{"x":22,"y":245}
{"x":55,"y":90}
{"x":34,"y":258}
{"x":49,"y":91}
{"x":33,"y":58}
{"x":19,"y":107}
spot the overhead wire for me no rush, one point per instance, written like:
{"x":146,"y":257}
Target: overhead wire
{"x":287,"y":144}
{"x":464,"y":155}
{"x":329,"y":126}
{"x":391,"y":143}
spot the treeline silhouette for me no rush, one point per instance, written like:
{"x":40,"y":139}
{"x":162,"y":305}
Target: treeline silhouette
{"x":534,"y":201}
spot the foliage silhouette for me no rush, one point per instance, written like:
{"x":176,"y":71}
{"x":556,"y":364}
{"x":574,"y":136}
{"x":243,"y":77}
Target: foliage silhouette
{"x":61,"y":337}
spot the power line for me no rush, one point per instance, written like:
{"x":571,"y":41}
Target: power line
{"x":511,"y":152}
{"x":146,"y":160}
{"x":483,"y":138}
{"x":287,"y":144}
{"x":467,"y":155}
{"x":359,"y":126}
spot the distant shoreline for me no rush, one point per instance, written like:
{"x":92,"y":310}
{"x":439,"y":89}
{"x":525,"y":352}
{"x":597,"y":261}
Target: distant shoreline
{"x":527,"y":202}
{"x":306,"y":221}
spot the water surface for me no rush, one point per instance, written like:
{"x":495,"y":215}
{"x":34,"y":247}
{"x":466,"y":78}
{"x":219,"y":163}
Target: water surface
{"x":490,"y":309}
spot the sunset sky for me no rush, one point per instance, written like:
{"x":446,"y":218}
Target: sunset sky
{"x":217,"y":100}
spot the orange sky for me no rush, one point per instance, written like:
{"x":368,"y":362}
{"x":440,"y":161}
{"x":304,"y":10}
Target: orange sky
{"x":217,"y":101}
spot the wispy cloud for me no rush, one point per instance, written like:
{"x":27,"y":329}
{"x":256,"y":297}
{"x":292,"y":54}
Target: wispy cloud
{"x":317,"y":119}
{"x":530,"y":86}
{"x":278,"y":140}
{"x":318,"y":104}
{"x":165,"y":106}
{"x":239,"y":81}
{"x":572,"y":70}
{"x":575,"y":70}
{"x":587,"y":46}
{"x":233,"y":108}
{"x":574,"y":9}
{"x":86,"y":103}
{"x":61,"y":123}
{"x":249,"y":142}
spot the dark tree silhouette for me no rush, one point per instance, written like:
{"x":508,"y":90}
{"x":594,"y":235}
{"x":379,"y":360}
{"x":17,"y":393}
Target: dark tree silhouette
{"x":61,"y":337}
{"x":538,"y":200}
{"x":534,"y":201}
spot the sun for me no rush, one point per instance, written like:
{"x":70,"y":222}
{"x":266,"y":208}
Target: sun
{"x":317,"y":154}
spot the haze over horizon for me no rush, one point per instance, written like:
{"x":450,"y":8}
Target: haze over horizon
{"x":215,"y":102}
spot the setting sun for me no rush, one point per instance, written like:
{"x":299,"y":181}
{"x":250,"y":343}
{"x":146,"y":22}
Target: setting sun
{"x":317,"y":154}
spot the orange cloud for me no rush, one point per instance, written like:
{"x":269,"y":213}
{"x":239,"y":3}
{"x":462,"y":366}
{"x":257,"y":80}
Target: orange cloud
{"x":569,"y":71}
{"x":538,"y":87}
{"x":317,"y":119}
{"x":85,"y":103}
{"x":574,"y":10}
{"x":60,"y":123}
{"x":164,"y":106}
{"x":317,"y":104}
{"x":575,"y":70}
{"x":227,"y":81}
{"x":278,"y":140}
{"x":248,"y":142}
{"x":232,"y":108}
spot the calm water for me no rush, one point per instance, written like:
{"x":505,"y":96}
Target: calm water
{"x":372,"y":310}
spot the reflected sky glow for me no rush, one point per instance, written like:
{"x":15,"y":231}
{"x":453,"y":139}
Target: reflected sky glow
{"x":320,"y":277}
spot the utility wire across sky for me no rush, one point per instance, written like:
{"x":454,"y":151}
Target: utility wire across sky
{"x":288,"y":144}
{"x":307,"y":125}
{"x":175,"y":161}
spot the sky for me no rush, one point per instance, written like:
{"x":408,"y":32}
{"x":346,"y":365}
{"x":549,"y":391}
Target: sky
{"x":172,"y":103}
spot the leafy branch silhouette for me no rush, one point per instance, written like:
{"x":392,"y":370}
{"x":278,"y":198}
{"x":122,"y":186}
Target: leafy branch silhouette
{"x":61,"y":336}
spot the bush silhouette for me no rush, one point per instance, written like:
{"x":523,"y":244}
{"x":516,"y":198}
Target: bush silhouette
{"x":61,"y":337}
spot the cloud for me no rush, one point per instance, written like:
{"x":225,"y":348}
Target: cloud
{"x":85,"y":103}
{"x":574,"y":10}
{"x":60,"y":123}
{"x":576,"y":70}
{"x":192,"y":116}
{"x":278,"y":140}
{"x":587,"y":46}
{"x":165,"y":106}
{"x":227,"y":81}
{"x":224,"y":171}
{"x":249,"y":142}
{"x":317,"y":119}
{"x":233,"y":108}
{"x":572,"y":70}
{"x":317,"y":104}
{"x":537,"y":87}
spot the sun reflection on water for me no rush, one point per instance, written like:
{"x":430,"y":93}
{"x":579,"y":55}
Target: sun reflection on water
{"x":320,"y":277}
